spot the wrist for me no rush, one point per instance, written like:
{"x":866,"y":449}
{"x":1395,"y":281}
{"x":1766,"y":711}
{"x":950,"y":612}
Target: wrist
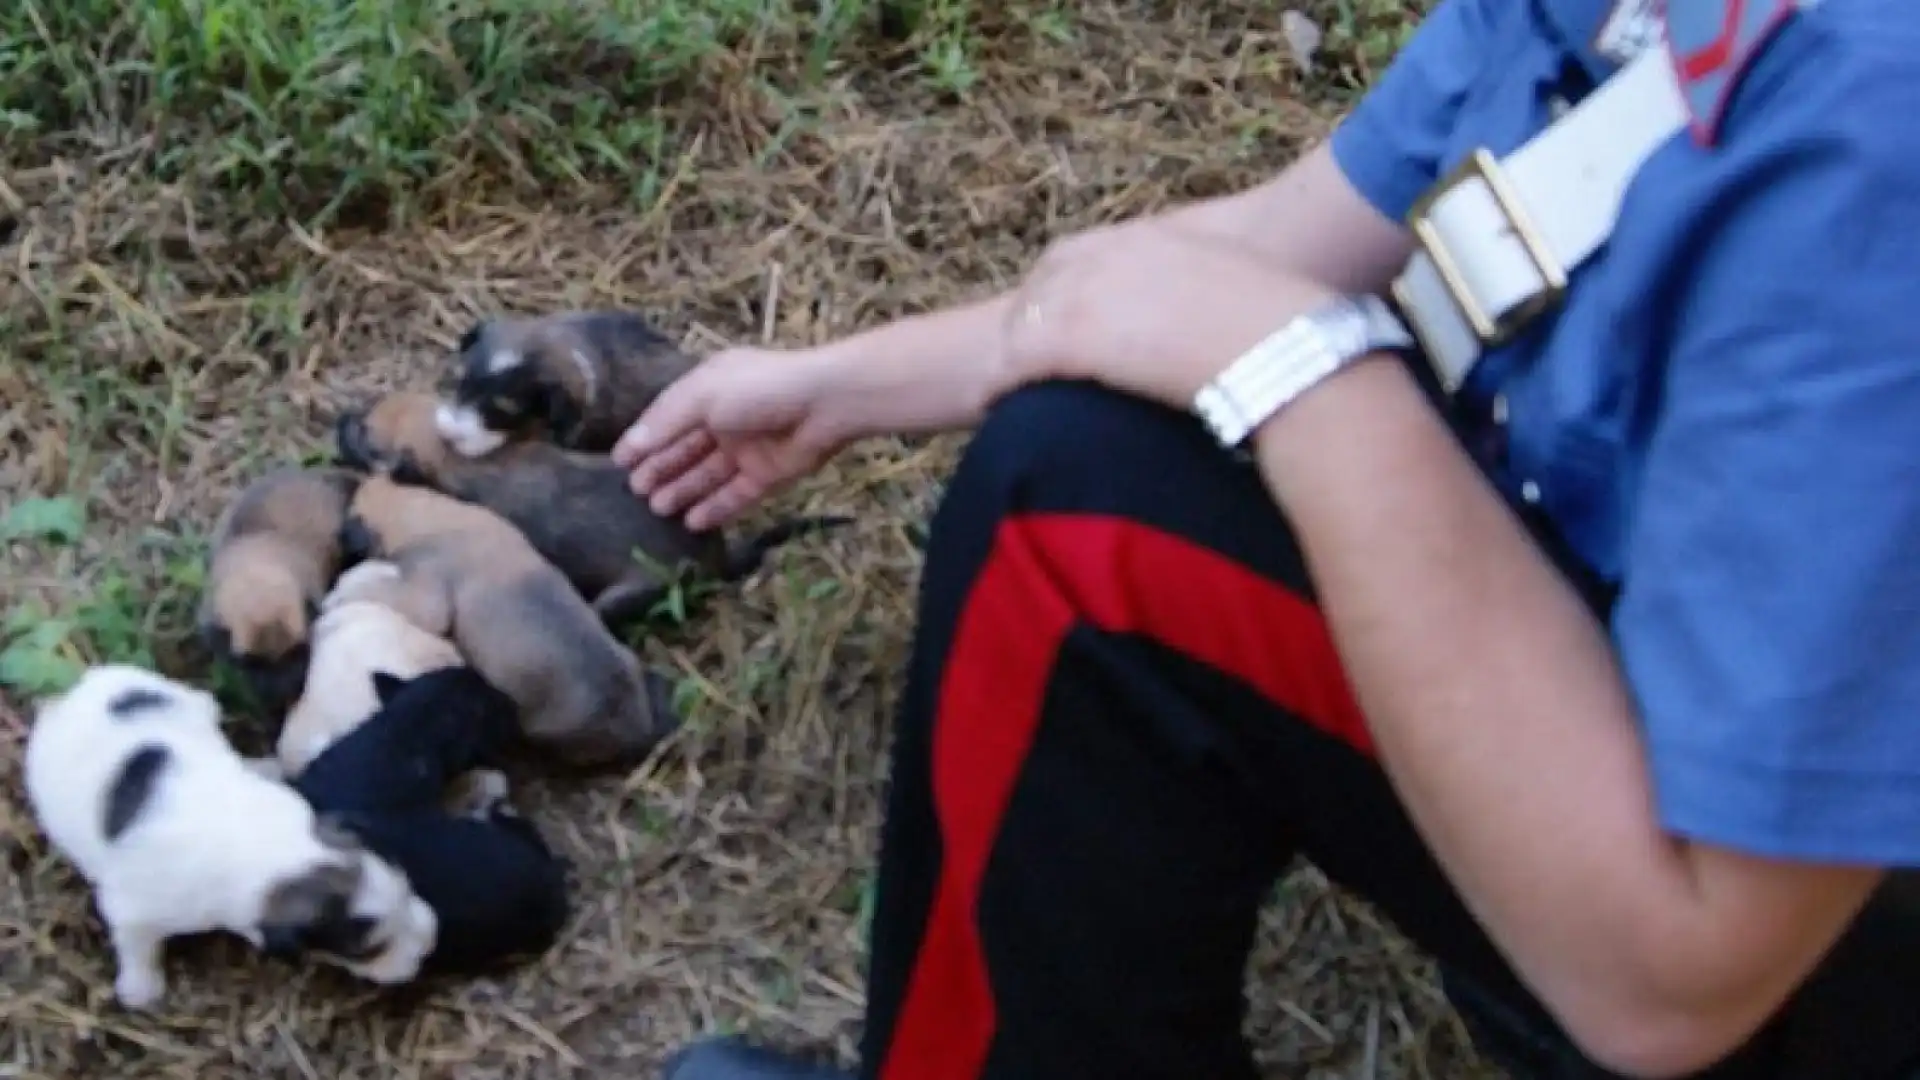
{"x":831,"y":386}
{"x":1330,"y":335}
{"x":1370,"y":394}
{"x":924,"y":374}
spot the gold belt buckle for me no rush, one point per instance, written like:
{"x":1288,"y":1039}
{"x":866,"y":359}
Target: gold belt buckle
{"x":1481,"y":165}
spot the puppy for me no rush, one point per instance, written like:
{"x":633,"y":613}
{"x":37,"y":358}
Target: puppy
{"x":574,"y":508}
{"x":467,"y":573}
{"x":133,"y":781}
{"x":354,"y":640}
{"x":275,"y":551}
{"x":577,"y":379}
{"x":496,"y":888}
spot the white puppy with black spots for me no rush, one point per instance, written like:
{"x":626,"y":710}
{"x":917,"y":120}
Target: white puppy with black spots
{"x":132,"y":780}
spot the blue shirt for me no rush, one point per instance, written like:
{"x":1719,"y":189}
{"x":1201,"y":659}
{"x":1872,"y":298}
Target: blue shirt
{"x":1723,"y":419}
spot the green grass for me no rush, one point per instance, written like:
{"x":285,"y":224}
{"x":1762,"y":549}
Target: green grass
{"x":310,"y":108}
{"x":1367,"y":33}
{"x":315,"y":109}
{"x":355,"y":108}
{"x":120,"y":616}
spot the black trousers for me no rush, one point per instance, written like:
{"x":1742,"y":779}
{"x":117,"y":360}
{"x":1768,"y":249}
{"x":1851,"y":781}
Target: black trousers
{"x":1124,"y":720}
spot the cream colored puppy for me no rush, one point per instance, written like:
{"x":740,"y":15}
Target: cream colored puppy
{"x":355,"y":637}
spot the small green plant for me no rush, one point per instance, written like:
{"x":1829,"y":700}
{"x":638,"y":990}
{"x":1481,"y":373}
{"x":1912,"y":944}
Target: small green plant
{"x":119,"y":616}
{"x":1367,"y":34}
{"x":59,"y":520}
{"x":683,"y":595}
{"x":39,"y":656}
{"x":46,"y":651}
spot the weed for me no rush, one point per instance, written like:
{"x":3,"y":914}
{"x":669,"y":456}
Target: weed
{"x":59,"y":520}
{"x":1366,"y":34}
{"x":126,"y":614}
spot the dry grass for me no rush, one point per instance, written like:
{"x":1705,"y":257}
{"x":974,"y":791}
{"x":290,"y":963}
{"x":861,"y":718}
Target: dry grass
{"x":158,"y":343}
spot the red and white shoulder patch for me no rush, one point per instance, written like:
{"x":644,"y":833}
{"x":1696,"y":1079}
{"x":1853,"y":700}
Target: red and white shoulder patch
{"x":1713,"y":43}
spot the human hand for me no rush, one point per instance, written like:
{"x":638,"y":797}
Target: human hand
{"x":744,"y":423}
{"x":1151,"y":310}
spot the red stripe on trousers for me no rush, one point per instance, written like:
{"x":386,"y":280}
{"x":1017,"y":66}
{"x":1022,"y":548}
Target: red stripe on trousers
{"x":1046,"y":574}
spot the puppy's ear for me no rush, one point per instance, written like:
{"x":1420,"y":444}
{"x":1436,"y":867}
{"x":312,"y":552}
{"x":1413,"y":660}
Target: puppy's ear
{"x":471,"y":338}
{"x":387,"y":686}
{"x":357,"y":541}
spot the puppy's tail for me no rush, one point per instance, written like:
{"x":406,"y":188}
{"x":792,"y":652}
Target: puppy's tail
{"x":745,"y":556}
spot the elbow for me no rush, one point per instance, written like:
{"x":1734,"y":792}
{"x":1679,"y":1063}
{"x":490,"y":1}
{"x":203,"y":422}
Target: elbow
{"x":1645,"y":1043}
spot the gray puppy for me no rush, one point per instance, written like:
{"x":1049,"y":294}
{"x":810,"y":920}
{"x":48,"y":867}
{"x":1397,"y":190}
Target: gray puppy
{"x":577,"y":379}
{"x":467,"y":574}
{"x":574,"y":508}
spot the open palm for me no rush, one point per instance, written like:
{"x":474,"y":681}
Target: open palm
{"x":739,"y":427}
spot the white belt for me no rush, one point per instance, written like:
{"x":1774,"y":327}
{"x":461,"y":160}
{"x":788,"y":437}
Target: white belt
{"x":1497,"y":239}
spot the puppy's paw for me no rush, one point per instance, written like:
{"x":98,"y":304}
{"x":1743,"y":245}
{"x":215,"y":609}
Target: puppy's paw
{"x":139,"y":988}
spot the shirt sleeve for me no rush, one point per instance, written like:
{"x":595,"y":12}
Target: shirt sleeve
{"x":1393,"y":142}
{"x":1769,"y":623}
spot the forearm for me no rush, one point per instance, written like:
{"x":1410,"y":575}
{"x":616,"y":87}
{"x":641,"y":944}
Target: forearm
{"x":1308,"y":221}
{"x":1498,"y":711}
{"x":919,"y":375}
{"x":935,"y":372}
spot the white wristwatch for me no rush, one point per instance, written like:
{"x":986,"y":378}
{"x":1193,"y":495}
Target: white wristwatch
{"x":1269,"y":376}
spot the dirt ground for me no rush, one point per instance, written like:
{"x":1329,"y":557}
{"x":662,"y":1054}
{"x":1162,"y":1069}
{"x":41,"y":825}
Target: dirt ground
{"x":154,"y":353}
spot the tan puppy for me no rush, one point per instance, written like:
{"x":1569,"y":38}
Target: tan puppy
{"x":354,"y":637}
{"x":468,"y":574}
{"x":275,"y":552}
{"x":574,"y":508}
{"x":576,"y":378}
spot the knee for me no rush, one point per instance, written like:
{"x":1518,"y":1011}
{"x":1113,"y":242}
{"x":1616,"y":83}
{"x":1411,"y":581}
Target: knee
{"x":1064,"y":446}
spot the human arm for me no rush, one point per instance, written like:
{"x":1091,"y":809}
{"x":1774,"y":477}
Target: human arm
{"x":1502,"y":719}
{"x":1666,"y":827}
{"x":732,"y":431}
{"x":748,"y":421}
{"x":939,"y":371}
{"x":1491,"y":695}
{"x":1331,"y":217}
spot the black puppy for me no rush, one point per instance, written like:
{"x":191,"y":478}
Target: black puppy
{"x":497,"y":889}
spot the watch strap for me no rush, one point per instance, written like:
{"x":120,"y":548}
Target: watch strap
{"x":1268,"y":377}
